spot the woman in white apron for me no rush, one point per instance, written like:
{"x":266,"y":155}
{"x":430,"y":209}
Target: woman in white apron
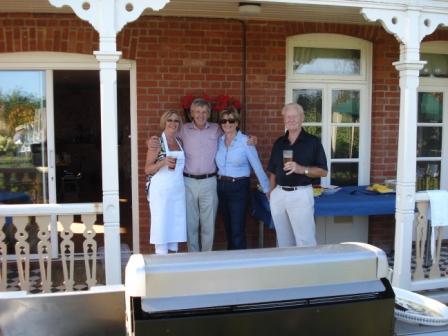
{"x":166,"y":193}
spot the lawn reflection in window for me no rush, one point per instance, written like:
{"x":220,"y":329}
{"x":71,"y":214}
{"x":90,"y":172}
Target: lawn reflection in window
{"x":311,"y":101}
{"x":344,"y":173}
{"x":428,"y":175}
{"x":429,"y":141}
{"x":345,"y":142}
{"x":314,"y":130}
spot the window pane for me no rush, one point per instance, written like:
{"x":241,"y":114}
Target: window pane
{"x":314,"y":130}
{"x":345,"y":106}
{"x":428,"y":175}
{"x":430,"y":107}
{"x":324,"y":61}
{"x":23,"y":155}
{"x":436,"y":66}
{"x":344,"y":173}
{"x":345,"y":142}
{"x":429,"y":141}
{"x":311,"y":101}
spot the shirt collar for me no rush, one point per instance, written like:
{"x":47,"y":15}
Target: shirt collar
{"x":193,"y":125}
{"x":301,"y":135}
{"x":237,"y":136}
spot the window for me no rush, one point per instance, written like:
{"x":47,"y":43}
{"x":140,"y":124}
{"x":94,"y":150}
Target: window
{"x":432,"y":120}
{"x":23,"y":155}
{"x":329,"y":75}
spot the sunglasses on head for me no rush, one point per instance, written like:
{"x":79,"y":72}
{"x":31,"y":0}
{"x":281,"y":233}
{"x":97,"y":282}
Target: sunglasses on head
{"x":173,"y":120}
{"x":230,"y":121}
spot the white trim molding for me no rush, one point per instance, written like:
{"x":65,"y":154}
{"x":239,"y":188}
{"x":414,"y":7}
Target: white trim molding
{"x":409,"y":26}
{"x":108,"y":17}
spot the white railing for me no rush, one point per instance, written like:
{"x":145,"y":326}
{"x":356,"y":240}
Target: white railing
{"x":427,"y":273}
{"x":57,"y":221}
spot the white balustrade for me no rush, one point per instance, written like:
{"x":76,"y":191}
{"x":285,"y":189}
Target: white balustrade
{"x":20,"y":218}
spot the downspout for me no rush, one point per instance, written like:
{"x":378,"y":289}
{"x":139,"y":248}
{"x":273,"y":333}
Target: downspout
{"x":243,"y":74}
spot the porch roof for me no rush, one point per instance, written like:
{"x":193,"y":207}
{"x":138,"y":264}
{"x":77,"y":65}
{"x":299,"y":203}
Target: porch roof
{"x":320,"y":11}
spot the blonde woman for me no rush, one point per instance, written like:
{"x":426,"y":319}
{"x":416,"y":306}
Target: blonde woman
{"x":166,"y":190}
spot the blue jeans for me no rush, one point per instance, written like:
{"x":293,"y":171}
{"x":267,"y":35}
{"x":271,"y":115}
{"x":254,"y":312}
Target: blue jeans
{"x":233,"y":198}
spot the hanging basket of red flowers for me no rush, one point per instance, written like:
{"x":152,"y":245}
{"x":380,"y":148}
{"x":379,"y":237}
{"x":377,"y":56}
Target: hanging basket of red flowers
{"x":217,"y":103}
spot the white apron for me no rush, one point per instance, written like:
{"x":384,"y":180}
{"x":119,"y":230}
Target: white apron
{"x":167,"y":201}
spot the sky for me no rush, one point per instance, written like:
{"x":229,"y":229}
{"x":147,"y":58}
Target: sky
{"x":27,"y":81}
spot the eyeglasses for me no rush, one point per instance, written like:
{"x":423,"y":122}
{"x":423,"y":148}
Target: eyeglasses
{"x":230,"y":121}
{"x":173,"y":120}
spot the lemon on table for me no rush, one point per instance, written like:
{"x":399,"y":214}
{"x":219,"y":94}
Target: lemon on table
{"x":317,"y":191}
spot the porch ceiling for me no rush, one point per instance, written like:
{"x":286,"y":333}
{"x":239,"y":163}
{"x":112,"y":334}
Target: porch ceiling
{"x":218,"y":9}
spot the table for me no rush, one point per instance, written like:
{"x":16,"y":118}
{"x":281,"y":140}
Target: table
{"x":348,"y":201}
{"x":355,"y":201}
{"x":11,"y":197}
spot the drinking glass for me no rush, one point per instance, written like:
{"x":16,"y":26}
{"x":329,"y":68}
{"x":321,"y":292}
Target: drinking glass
{"x":287,"y":156}
{"x":175,"y":161}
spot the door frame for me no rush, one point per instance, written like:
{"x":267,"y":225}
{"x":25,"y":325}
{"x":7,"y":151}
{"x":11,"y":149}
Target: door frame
{"x":49,"y":61}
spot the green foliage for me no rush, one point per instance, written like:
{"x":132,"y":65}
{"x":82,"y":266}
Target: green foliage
{"x":18,"y":108}
{"x":7,"y":146}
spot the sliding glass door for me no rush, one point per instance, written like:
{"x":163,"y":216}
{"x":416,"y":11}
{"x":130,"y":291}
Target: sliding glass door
{"x":23,"y":138}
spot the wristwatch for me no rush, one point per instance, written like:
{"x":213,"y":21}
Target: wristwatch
{"x":306,"y":171}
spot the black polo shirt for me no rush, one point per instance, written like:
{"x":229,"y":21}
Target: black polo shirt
{"x":307,"y":151}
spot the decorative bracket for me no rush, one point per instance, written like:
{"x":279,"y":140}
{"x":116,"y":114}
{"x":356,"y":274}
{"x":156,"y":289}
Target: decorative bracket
{"x":108,"y":17}
{"x":409,"y":26}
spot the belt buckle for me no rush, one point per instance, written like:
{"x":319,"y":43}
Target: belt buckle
{"x":287,"y":188}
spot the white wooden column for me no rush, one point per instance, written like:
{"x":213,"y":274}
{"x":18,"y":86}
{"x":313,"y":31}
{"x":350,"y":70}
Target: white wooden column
{"x":409,"y":26}
{"x":108,"y":17}
{"x":109,"y":158}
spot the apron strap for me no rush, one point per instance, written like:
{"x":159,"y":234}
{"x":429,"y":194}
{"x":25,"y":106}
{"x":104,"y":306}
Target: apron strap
{"x":167,"y":149}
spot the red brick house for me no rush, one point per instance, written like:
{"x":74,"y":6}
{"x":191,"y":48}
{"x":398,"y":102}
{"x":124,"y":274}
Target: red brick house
{"x":192,"y":48}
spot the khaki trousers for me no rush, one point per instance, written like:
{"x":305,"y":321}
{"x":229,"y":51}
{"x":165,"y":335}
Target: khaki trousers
{"x":293,"y":215}
{"x":202,"y":205}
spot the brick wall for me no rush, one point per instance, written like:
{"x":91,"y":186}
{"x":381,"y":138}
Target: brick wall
{"x":29,"y":32}
{"x":180,"y":56}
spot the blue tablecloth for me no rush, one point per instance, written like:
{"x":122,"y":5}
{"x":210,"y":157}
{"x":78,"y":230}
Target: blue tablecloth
{"x":11,"y":197}
{"x":348,"y":201}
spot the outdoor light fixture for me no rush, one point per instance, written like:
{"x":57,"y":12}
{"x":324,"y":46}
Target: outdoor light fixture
{"x":249,"y":8}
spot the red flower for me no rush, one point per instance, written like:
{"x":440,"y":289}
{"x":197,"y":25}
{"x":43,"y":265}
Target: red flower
{"x":186,"y":101}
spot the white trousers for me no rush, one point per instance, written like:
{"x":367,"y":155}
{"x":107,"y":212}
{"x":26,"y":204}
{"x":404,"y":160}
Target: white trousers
{"x":293,"y":215}
{"x":163,"y":248}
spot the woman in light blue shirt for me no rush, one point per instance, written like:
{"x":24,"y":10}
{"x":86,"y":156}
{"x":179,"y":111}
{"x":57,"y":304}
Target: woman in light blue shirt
{"x":234,"y":160}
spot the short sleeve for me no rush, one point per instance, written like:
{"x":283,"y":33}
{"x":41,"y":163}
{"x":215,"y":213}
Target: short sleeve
{"x":271,"y":165}
{"x":321,"y":158}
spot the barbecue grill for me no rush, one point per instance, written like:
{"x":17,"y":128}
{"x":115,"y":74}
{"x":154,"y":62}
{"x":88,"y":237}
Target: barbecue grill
{"x":325,"y":290}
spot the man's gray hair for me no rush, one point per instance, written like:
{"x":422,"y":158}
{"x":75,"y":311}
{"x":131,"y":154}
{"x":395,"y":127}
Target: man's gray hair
{"x":298,"y":108}
{"x":201,"y":102}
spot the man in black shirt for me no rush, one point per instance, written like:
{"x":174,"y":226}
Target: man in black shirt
{"x":291,"y":197}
